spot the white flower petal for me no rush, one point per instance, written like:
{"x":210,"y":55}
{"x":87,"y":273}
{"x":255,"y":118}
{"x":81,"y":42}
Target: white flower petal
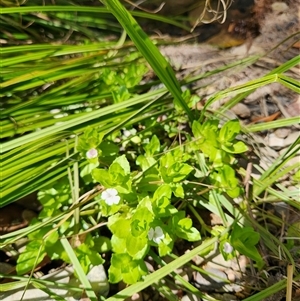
{"x":227,"y":248}
{"x":151,"y":233}
{"x":92,"y":153}
{"x":157,"y":234}
{"x":159,"y":231}
{"x":110,"y":196}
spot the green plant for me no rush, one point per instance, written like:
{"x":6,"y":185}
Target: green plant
{"x":105,"y":151}
{"x":139,"y":204}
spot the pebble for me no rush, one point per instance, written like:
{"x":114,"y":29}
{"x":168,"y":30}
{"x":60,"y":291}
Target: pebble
{"x":230,"y":275}
{"x":282,"y":132}
{"x":214,"y":281}
{"x":239,"y":264}
{"x":198,"y":260}
{"x":218,"y":262}
{"x":275,"y":142}
{"x":279,"y":7}
{"x":291,"y":138}
{"x":241,"y":110}
{"x":135,"y":297}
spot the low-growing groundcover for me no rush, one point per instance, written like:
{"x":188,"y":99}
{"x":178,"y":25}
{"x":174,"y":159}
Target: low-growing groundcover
{"x":122,"y":170}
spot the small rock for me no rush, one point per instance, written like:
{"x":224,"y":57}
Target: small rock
{"x":241,"y":110}
{"x":240,"y":265}
{"x":275,"y":142}
{"x":282,"y":132}
{"x":214,"y":281}
{"x":98,"y":280}
{"x":279,"y":7}
{"x":230,"y":275}
{"x":219,"y":263}
{"x":197,"y":260}
{"x":291,"y":138}
{"x":135,"y":297}
{"x":216,"y":275}
{"x":149,"y":266}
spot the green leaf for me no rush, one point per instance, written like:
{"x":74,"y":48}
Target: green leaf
{"x":182,"y":227}
{"x":120,"y":94}
{"x":51,"y":239}
{"x":225,"y":179}
{"x":149,"y":181}
{"x":90,"y":139}
{"x":137,"y":247}
{"x":87,"y":257}
{"x":123,"y":162}
{"x":102,"y":244}
{"x":145,"y":162}
{"x":86,"y":172}
{"x":191,"y":234}
{"x":33,"y":254}
{"x":114,"y":274}
{"x":178,"y":190}
{"x":166,"y":246}
{"x":229,"y":130}
{"x":40,"y":233}
{"x":163,"y":191}
{"x":103,"y":177}
{"x":119,"y":226}
{"x":163,"y":208}
{"x":140,"y":221}
{"x":185,"y":223}
{"x":244,"y":241}
{"x":236,"y":148}
{"x":153,"y":147}
{"x":117,"y":173}
{"x":57,"y":251}
{"x":109,"y":149}
{"x":118,"y":244}
{"x":175,"y":173}
{"x":124,"y":267}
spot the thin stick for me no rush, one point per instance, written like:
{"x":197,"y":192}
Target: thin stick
{"x":289,"y":283}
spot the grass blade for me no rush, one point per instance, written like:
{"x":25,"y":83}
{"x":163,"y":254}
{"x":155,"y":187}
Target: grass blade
{"x":159,"y":64}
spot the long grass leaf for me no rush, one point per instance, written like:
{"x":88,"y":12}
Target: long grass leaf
{"x":77,"y":267}
{"x":156,"y":60}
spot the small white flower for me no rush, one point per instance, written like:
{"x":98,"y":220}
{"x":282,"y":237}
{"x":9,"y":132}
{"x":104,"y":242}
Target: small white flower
{"x":92,"y":153}
{"x":227,"y":248}
{"x":110,"y":196}
{"x":126,"y":133}
{"x":157,"y":234}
